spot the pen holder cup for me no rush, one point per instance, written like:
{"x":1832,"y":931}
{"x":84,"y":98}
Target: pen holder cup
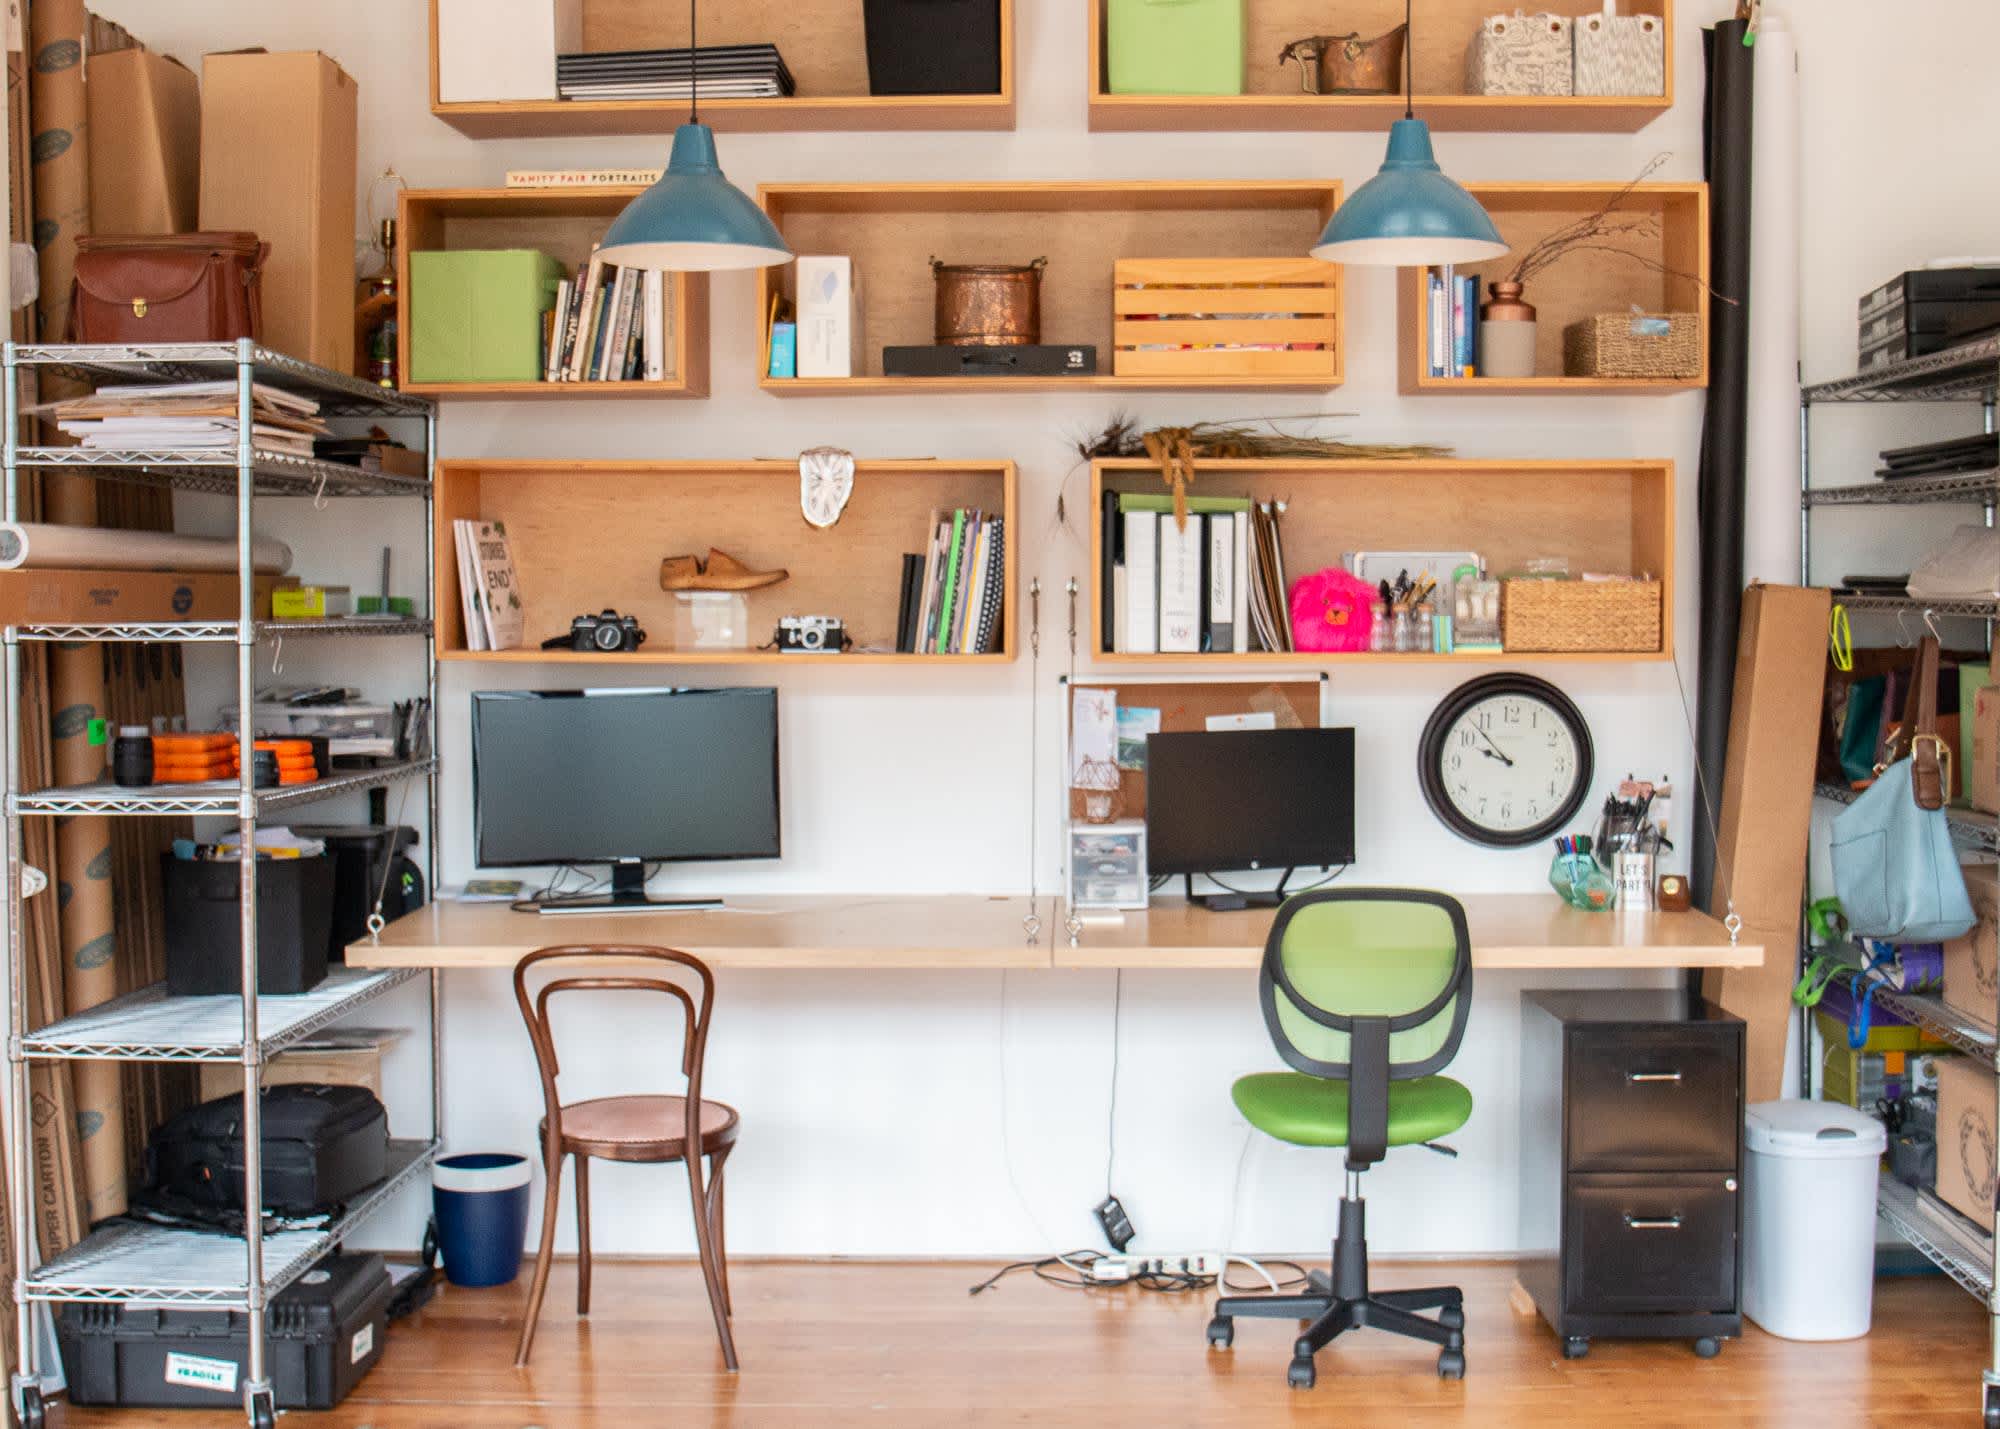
{"x":1581,"y":883}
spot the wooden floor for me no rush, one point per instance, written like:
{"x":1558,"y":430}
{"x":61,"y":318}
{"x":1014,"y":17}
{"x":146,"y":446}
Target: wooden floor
{"x":893,"y":1344}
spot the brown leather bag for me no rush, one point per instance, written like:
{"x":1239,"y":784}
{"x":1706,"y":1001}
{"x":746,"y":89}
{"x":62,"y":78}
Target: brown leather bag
{"x":181,"y":287}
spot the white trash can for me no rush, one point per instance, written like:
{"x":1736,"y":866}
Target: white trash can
{"x":1809,"y":1218}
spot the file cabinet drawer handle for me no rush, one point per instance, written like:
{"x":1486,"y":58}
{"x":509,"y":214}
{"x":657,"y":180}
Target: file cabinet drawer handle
{"x":1652,"y":1076}
{"x":1653,"y":1223}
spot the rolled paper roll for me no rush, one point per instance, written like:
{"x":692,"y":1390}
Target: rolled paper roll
{"x":34,"y":546}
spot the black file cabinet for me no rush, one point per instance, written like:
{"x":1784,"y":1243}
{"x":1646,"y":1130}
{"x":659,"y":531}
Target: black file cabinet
{"x":1632,"y":1166}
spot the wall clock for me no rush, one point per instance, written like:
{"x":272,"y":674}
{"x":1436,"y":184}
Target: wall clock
{"x":1505,"y":760}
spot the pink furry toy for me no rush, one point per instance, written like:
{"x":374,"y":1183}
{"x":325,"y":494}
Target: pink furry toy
{"x":1331,"y":610}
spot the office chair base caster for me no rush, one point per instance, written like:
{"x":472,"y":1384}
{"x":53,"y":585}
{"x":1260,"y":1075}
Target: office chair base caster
{"x":1708,"y":1347}
{"x":1452,"y":1318}
{"x":1302,"y":1374}
{"x":1575,"y":1347}
{"x":1221,"y":1333}
{"x":1451,"y":1364}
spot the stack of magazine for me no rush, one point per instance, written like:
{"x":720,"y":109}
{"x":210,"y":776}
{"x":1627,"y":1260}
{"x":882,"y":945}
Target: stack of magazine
{"x":726,"y":72}
{"x":954,"y":592}
{"x":188,"y":416}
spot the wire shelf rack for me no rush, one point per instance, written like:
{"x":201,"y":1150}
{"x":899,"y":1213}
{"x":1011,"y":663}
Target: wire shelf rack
{"x":1971,"y":609}
{"x":153,"y":1025}
{"x":1954,"y":375}
{"x":1949,"y":1241}
{"x":1977,"y":487}
{"x":1978,"y":832}
{"x":337,"y":393}
{"x":217,"y":796}
{"x":135,"y":1263}
{"x":211,"y":632}
{"x":214,"y":471}
{"x":1968,"y":1034}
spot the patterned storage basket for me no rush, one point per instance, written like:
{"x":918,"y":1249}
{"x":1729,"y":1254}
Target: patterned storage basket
{"x":1520,"y":54}
{"x":1620,"y":54}
{"x":1544,"y":615}
{"x":1634,"y":345}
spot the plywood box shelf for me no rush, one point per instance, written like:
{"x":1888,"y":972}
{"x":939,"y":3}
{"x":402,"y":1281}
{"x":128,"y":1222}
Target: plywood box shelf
{"x":563,"y":223}
{"x":821,"y":41}
{"x":1612,"y":516}
{"x":1273,"y":100}
{"x":1082,"y":228}
{"x":587,"y":535}
{"x":1578,"y":286}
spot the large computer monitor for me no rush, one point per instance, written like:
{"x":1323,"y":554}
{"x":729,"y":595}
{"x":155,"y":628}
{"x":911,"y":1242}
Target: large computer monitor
{"x":626,"y":777}
{"x":1226,"y":801}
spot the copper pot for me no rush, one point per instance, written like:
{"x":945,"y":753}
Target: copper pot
{"x":1506,"y":305}
{"x":1348,"y":64}
{"x":989,"y":304}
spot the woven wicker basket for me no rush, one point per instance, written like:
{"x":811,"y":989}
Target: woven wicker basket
{"x":1580,"y":615}
{"x":1633,"y":345}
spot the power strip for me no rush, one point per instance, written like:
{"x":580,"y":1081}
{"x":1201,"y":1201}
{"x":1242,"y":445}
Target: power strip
{"x":1117,"y":1269}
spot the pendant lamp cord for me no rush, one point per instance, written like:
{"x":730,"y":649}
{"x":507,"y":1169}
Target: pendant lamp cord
{"x":1409,"y":60}
{"x":694,"y":66}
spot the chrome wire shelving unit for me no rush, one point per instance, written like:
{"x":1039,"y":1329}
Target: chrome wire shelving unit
{"x":1959,"y":1247}
{"x":157,"y":1265}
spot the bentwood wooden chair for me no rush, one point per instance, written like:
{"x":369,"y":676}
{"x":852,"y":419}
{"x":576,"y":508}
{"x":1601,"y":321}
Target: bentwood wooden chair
{"x":647,"y":1128}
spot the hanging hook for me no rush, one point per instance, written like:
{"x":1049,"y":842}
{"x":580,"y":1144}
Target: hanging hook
{"x":1072,"y":619}
{"x":1035,"y":616}
{"x":1903,"y":631}
{"x":319,"y":492}
{"x":1930,"y":624}
{"x":278,"y":656}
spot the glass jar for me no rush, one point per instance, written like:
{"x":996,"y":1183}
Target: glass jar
{"x":1381,"y":636}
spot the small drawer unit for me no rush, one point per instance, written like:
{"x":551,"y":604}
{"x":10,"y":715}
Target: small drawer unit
{"x":1632,"y":1166}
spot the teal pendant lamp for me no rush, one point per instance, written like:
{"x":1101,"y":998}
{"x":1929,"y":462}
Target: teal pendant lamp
{"x":693,"y":220}
{"x":1409,"y":215}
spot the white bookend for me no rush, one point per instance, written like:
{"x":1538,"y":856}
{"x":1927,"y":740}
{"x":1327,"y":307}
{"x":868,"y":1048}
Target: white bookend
{"x":1181,"y":591}
{"x":829,"y":316}
{"x":1240,"y":607}
{"x":1142,"y":582}
{"x":1221,"y":580}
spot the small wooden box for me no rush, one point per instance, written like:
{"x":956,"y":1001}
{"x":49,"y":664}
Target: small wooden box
{"x":1538,"y":615}
{"x":1226,"y":317}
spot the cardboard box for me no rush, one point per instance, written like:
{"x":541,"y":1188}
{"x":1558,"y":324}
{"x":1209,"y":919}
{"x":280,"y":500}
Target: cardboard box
{"x":145,"y":143}
{"x":1982,"y":783}
{"x":1965,"y":1138}
{"x":1972,"y":960}
{"x":829,"y":317}
{"x":59,"y":597}
{"x":278,"y":146}
{"x":342,"y":1066}
{"x":1766,"y":814}
{"x":503,"y":49}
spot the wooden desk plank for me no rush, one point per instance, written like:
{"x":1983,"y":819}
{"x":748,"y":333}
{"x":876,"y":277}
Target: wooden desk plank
{"x":1509,"y":930}
{"x":857,"y":932}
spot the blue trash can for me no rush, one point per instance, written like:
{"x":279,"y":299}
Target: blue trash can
{"x":481,"y":1203}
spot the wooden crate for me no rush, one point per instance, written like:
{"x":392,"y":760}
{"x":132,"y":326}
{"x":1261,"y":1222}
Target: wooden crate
{"x":1225,"y":317}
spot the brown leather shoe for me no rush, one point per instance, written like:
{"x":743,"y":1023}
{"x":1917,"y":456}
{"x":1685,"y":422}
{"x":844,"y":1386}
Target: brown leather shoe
{"x":721,"y":571}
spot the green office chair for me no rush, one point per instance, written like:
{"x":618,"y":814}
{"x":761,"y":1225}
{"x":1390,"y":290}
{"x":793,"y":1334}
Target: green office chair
{"x":1365,"y":992}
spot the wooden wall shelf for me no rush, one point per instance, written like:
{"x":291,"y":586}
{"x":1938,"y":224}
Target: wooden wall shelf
{"x":1613,"y":516}
{"x":587,"y":535}
{"x":1576,"y":287}
{"x":563,"y":223}
{"x":1274,"y":101}
{"x":821,"y":41}
{"x":1082,"y":228}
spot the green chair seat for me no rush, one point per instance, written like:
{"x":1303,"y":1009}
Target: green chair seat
{"x":1312,"y":1111}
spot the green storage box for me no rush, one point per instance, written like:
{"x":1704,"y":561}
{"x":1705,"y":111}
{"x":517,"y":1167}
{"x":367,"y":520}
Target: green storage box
{"x":1174,"y":46}
{"x":1972,"y":678}
{"x":475,"y":315}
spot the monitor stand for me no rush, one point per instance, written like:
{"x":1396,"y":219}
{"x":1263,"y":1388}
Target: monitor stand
{"x":628,"y":895}
{"x":1228,"y":902}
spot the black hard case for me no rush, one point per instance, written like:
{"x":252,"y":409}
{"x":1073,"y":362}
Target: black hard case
{"x":204,"y":932}
{"x":322,"y":1144}
{"x":325,"y":1333}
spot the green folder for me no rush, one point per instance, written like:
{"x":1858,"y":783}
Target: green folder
{"x":1163,"y":501}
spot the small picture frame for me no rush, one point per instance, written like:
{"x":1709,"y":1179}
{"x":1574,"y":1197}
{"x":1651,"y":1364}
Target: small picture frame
{"x":1107,"y":865}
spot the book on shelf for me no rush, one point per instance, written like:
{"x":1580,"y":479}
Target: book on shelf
{"x":609,"y":324}
{"x":953,"y":594}
{"x":1452,"y":315}
{"x":1215,"y":586}
{"x":471,"y":608}
{"x":755,"y":71}
{"x":582,"y":178}
{"x":489,"y":586}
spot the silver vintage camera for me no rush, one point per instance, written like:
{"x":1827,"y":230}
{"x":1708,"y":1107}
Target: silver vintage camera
{"x":811,"y":635}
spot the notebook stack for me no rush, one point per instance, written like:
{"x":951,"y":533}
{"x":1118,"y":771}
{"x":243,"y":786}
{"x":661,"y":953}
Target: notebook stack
{"x":726,"y":72}
{"x":1214,"y":586}
{"x":954,"y":593}
{"x":188,"y":416}
{"x":1950,"y":457}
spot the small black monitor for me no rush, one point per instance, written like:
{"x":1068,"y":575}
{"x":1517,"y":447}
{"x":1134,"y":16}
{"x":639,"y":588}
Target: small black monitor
{"x":626,"y":777}
{"x":1230,"y":800}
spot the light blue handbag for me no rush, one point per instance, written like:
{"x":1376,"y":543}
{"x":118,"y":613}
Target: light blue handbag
{"x":1894,"y":865}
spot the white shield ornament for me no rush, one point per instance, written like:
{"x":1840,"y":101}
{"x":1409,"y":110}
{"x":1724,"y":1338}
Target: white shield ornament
{"x":826,"y":480}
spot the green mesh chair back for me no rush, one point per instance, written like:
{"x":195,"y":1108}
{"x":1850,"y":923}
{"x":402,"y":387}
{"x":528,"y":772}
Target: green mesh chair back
{"x":1389,"y":965}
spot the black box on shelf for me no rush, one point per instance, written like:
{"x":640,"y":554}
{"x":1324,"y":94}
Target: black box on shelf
{"x":204,"y":934}
{"x":1000,"y":363}
{"x":361,"y":854}
{"x":325,"y":1333}
{"x":933,"y":46}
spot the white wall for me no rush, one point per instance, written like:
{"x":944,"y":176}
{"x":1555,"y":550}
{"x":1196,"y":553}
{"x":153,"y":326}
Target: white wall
{"x":957,"y":1113}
